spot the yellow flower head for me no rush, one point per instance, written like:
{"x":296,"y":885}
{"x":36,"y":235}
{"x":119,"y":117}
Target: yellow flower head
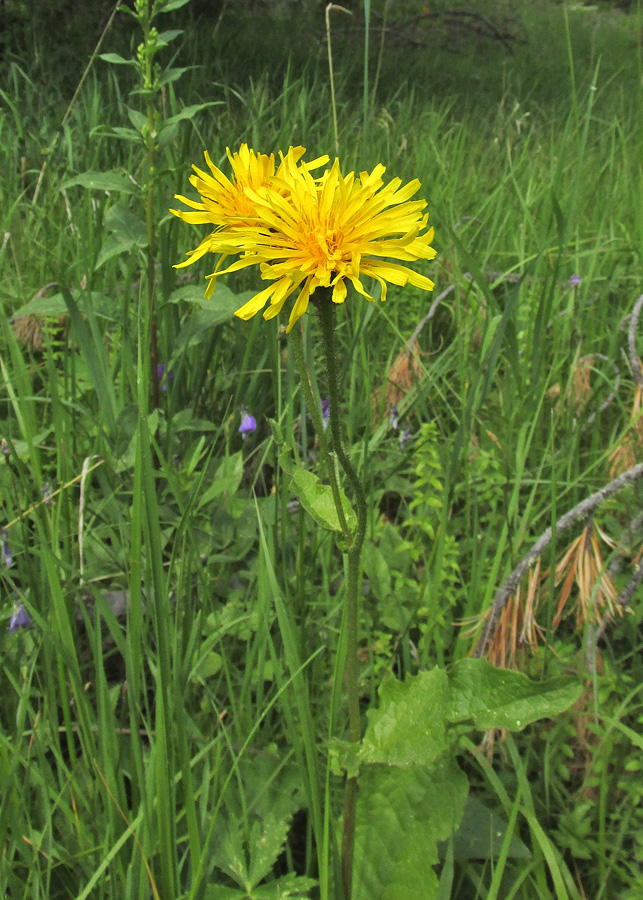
{"x":307,"y":232}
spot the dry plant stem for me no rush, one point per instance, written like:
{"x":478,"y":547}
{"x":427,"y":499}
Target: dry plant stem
{"x":617,"y":380}
{"x":326,"y":310}
{"x":623,"y":600}
{"x":52,"y":146}
{"x":631,"y":341}
{"x":581,"y":511}
{"x":318,"y":424}
{"x":329,"y":7}
{"x":427,"y":318}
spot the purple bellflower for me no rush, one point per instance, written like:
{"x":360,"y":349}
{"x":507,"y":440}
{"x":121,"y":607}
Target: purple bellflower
{"x":394,"y":418}
{"x":248,"y":424}
{"x":162,"y":378}
{"x":325,"y":407}
{"x":19,"y":619}
{"x":575,"y":280}
{"x":6,"y":549}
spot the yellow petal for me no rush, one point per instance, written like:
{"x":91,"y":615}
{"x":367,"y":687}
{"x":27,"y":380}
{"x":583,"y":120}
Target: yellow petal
{"x":339,"y":291}
{"x":252,"y":307}
{"x":301,"y":304}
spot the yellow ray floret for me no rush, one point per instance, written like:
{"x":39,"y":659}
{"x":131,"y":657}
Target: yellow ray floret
{"x":308,"y":232}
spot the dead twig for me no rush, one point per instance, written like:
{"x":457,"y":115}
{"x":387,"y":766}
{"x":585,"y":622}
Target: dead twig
{"x":631,"y":342}
{"x":584,"y":509}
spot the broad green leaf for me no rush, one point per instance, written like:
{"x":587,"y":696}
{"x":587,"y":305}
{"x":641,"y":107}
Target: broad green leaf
{"x":481,"y":834}
{"x":210,"y":665}
{"x":377,"y":571}
{"x":128,"y":233}
{"x":94,"y":354}
{"x":184,"y":420}
{"x":222,"y":892}
{"x":267,"y":838}
{"x":289,"y":886}
{"x":117,"y":59}
{"x":343,"y":757}
{"x":220,"y":308}
{"x":101,"y":181}
{"x":222,"y":303}
{"x":227,"y":479}
{"x":501,"y":698}
{"x":194,"y":293}
{"x":119,"y":131}
{"x":55,"y":305}
{"x":173,"y":74}
{"x":112,"y":246}
{"x":166,"y":37}
{"x":230,"y":853}
{"x":316,"y":497}
{"x":167,"y":136}
{"x":401,"y":816}
{"x":189,"y":112}
{"x":276,"y":432}
{"x":122,"y":222}
{"x":138,"y":120}
{"x":408,"y":727}
{"x":23,"y":449}
{"x":171,"y":4}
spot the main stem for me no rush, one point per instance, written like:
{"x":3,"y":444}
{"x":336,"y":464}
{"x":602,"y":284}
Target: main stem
{"x":326,"y":310}
{"x":150,"y":220}
{"x":318,"y":425}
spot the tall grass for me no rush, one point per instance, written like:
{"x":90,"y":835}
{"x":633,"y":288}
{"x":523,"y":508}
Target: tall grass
{"x":165,"y":708}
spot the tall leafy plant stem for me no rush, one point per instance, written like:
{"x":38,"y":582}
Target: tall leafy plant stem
{"x":367,"y":48}
{"x":380,"y":55}
{"x":318,"y":424}
{"x":333,"y":101}
{"x":150,"y":146}
{"x":327,"y":318}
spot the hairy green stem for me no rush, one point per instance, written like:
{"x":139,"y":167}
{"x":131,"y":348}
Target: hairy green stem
{"x":318,"y":424}
{"x":326,"y":310}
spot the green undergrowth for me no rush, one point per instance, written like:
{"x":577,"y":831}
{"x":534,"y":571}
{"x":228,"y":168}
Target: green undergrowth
{"x":162,"y":717}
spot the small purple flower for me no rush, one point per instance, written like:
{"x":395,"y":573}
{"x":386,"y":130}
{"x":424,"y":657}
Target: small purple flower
{"x":19,"y":619}
{"x":248,"y":424}
{"x":404,"y":438}
{"x":394,"y":418}
{"x":6,"y":549}
{"x":325,"y":407}
{"x":575,"y":280}
{"x":162,"y":379}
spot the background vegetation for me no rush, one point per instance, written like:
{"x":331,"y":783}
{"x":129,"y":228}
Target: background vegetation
{"x":154,"y":722}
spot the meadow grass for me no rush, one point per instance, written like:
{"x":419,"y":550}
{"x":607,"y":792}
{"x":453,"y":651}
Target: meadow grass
{"x":167,"y":707}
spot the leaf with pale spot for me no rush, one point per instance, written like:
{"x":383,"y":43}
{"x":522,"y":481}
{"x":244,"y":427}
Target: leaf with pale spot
{"x":401,"y":816}
{"x":502,"y":698}
{"x":408,"y":728}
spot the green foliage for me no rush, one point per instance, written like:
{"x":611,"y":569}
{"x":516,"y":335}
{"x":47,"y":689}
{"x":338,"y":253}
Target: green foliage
{"x":412,"y":731}
{"x":499,"y":698}
{"x":398,"y":830}
{"x":316,"y":497}
{"x":185,"y":651}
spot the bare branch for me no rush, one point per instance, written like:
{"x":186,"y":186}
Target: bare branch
{"x":438,"y":300}
{"x":635,"y":362}
{"x":581,"y":511}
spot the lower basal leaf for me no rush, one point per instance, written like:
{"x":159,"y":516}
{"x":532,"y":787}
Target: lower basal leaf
{"x":402,"y":815}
